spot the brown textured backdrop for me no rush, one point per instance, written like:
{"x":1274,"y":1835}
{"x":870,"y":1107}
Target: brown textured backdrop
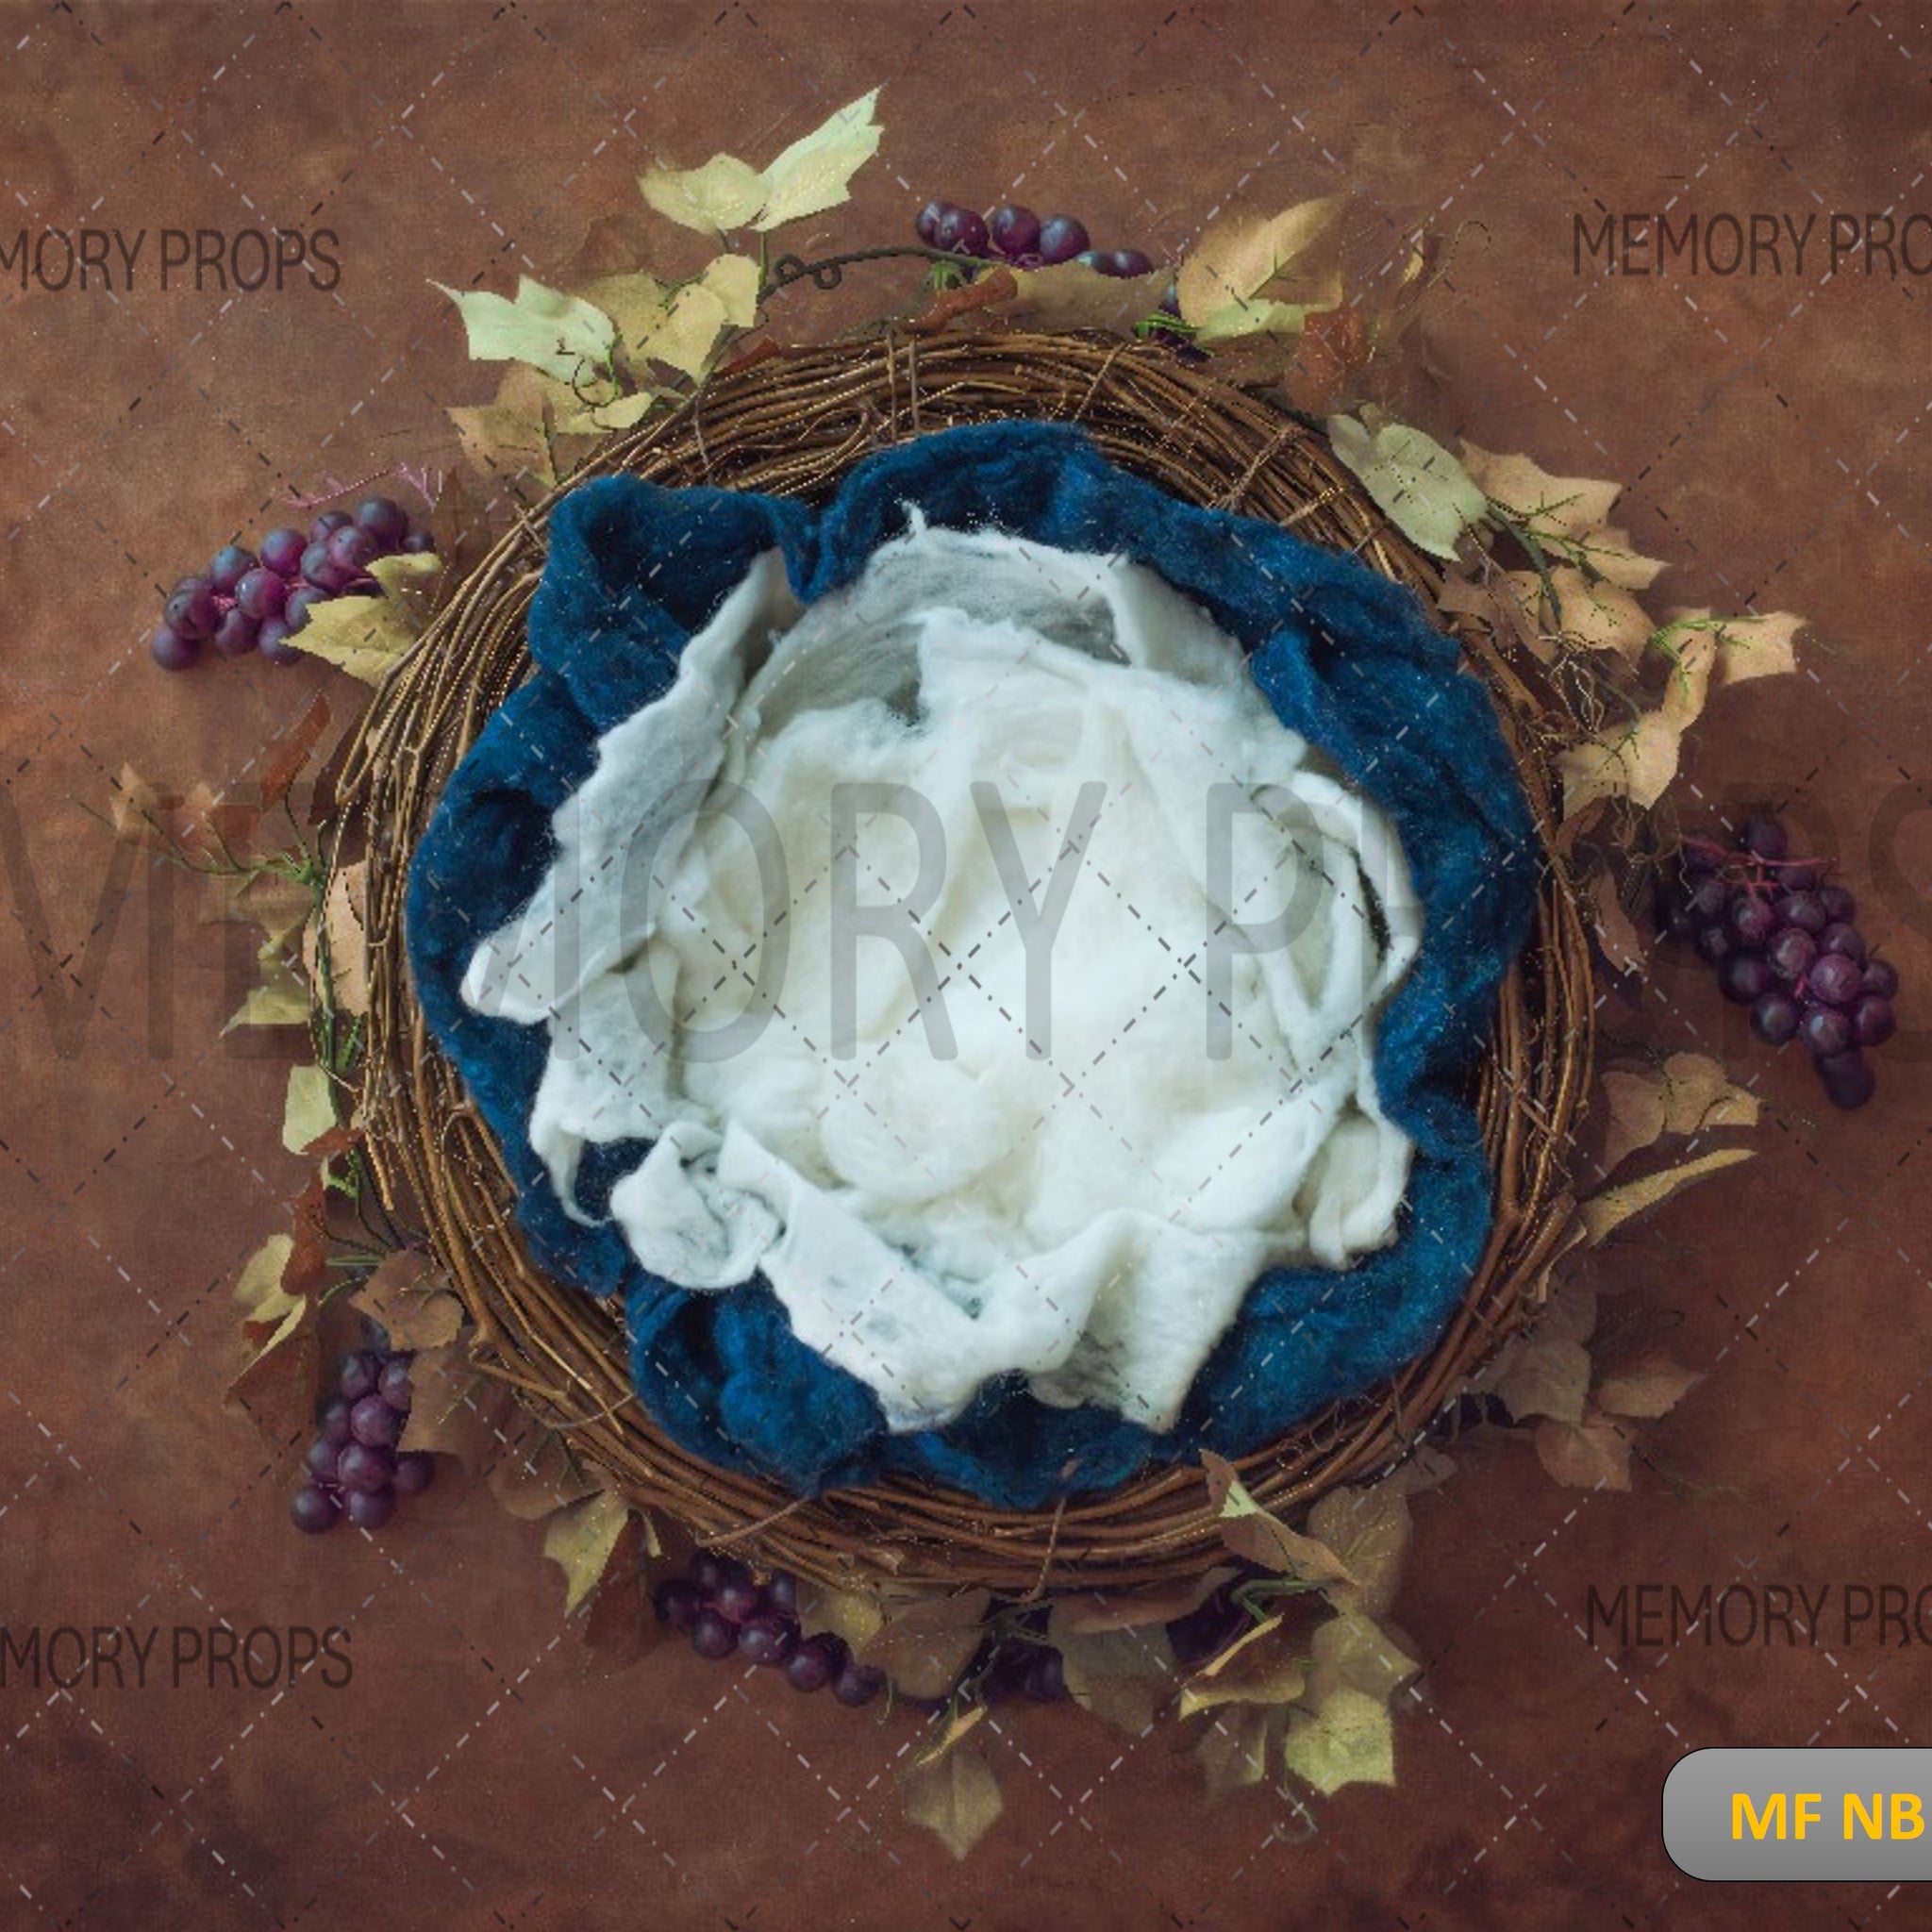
{"x":1772,"y":434}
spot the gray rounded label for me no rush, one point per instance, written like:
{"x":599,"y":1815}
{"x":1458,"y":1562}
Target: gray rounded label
{"x":1800,"y":1813}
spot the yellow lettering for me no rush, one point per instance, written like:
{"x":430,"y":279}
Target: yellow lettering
{"x":1873,"y":1820}
{"x":1807,"y":1809}
{"x":1744,"y":1812}
{"x":1907,"y":1815}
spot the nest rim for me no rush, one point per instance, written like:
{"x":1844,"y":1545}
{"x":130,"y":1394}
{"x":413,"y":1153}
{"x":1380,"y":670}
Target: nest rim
{"x":791,"y":424}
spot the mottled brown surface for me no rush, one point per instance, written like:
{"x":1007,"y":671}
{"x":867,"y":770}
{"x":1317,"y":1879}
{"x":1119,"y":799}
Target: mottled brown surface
{"x":1772,"y":434}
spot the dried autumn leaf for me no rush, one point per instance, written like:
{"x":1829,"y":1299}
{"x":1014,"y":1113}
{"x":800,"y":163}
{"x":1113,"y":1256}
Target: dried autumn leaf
{"x":1415,"y":482}
{"x":310,"y":1110}
{"x":1639,"y":761}
{"x":456,"y":1411}
{"x":1749,"y":646}
{"x":1254,"y":273}
{"x":1588,"y":1454}
{"x":1616,"y":931}
{"x":579,"y":1541}
{"x":279,"y":905}
{"x":1588,"y":616}
{"x":277,"y":1383}
{"x":134,"y":810}
{"x":1093,"y":1611}
{"x":1349,"y":1740}
{"x":923,"y":1646}
{"x":1235,"y":1743}
{"x":1604,"y":1212}
{"x":1124,"y":1676}
{"x":1699,"y":1095}
{"x":1369,"y":1530}
{"x":1262,"y":1666}
{"x":1633,"y":1097}
{"x":1351,"y":1651}
{"x":957,"y":1798}
{"x":1612,"y":554}
{"x":1074,"y":295}
{"x":410,"y":1299}
{"x":1648,"y":1388}
{"x":1249,"y":1531}
{"x":538,"y":1474}
{"x":279,"y":773}
{"x":560,"y":335}
{"x":1569,"y":506}
{"x":343,"y":921}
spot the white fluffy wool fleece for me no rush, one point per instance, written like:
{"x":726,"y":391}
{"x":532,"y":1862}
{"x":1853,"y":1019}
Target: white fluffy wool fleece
{"x":938,"y":1206}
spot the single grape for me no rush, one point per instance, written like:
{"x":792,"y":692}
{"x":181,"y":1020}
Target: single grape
{"x":1791,"y":952}
{"x":1708,"y":897}
{"x":261,"y":593}
{"x":962,"y":231}
{"x":1675,"y":917}
{"x":857,"y":1684}
{"x":1775,"y":1018}
{"x":676,"y":1602}
{"x":1849,"y":1081}
{"x":321,"y":1459}
{"x":925,"y":224}
{"x":419,"y":544}
{"x":767,"y":1639}
{"x":320,"y":568}
{"x":1840,"y":907}
{"x":281,"y":550}
{"x":237,"y":634}
{"x":271,"y":640}
{"x":1015,"y":230}
{"x":1047,"y":1681}
{"x":1840,"y":937}
{"x":1752,"y":921}
{"x":708,"y":1571}
{"x":229,"y":567}
{"x":415,"y":1472}
{"x":1880,"y":976}
{"x":170,"y":650}
{"x":712,"y":1636}
{"x":1873,"y":1021}
{"x":370,"y":1508}
{"x":1835,"y":979}
{"x":385,"y":519}
{"x":781,"y":1592}
{"x":374,"y":1423}
{"x":328,"y":524}
{"x":1763,"y":836}
{"x":1697,"y":857}
{"x":296,"y":611}
{"x":815,"y":1662}
{"x":1061,"y":237}
{"x":335,"y":1420}
{"x":1171,"y":299}
{"x":1715,"y":944}
{"x":1123,"y":263}
{"x":738,"y":1599}
{"x":353,"y":549}
{"x":365,"y":1468}
{"x":1800,"y":878}
{"x":312,"y":1509}
{"x":1745,"y":978}
{"x":356,"y":1377}
{"x":1805,"y":910}
{"x":1824,"y":1030}
{"x":393,"y":1384}
{"x":191,"y":612}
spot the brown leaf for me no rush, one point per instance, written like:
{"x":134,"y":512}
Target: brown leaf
{"x":458,"y":1411}
{"x":409,"y":1297}
{"x":1616,"y":932}
{"x":1635,"y":1099}
{"x":284,"y":765}
{"x":620,"y":1625}
{"x":279,"y":1382}
{"x":1125,"y":1676}
{"x":1264,"y":1665}
{"x":343,"y":917}
{"x":1250,"y":1532}
{"x":1325,"y":359}
{"x":1095,"y":1610}
{"x":1072,"y":295}
{"x":281,"y":906}
{"x":1647,"y":1388}
{"x":461,"y":530}
{"x":538,"y":1474}
{"x":1604,"y":1212}
{"x":957,"y":1797}
{"x":923,"y":1646}
{"x":1699,"y":1095}
{"x":1588,"y":1455}
{"x":1369,"y":1530}
{"x":135,"y":810}
{"x":581,"y":1540}
{"x":988,"y":291}
{"x":1566,"y":505}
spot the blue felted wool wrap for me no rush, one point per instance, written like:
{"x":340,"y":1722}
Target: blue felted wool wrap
{"x":1346,"y":657}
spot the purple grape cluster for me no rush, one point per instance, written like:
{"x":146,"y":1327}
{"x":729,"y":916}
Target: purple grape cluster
{"x":1784,"y":943}
{"x":355,"y":1470}
{"x":1017,"y":235}
{"x":726,"y":1612}
{"x":247,"y":602}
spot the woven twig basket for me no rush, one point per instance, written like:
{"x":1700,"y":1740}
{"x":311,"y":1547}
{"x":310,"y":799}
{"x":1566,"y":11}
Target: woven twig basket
{"x":793,"y":425}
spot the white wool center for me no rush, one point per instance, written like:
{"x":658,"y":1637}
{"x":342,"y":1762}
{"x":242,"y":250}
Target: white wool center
{"x":1083,"y":828}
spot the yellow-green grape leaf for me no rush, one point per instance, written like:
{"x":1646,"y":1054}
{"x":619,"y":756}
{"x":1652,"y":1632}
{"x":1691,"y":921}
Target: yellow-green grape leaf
{"x":1699,"y":1095}
{"x":1414,"y":481}
{"x":1124,"y":1676}
{"x":1590,"y":1454}
{"x":579,"y":1542}
{"x":1544,"y":1374}
{"x":601,"y":418}
{"x":522,"y":433}
{"x":725,"y":193}
{"x":1648,"y":1388}
{"x":1252,"y":275}
{"x":1261,"y":1666}
{"x":1251,"y":1532}
{"x":855,"y":1615}
{"x":343,"y":921}
{"x":815,"y":171}
{"x":955,"y":1796}
{"x":260,"y":1289}
{"x":1074,"y":295}
{"x":1604,"y":1212}
{"x":1369,"y":1530}
{"x":1349,"y":1740}
{"x":1572,"y":507}
{"x":364,"y":636}
{"x":280,"y":1000}
{"x":310,"y":1110}
{"x":561,"y":334}
{"x":925,"y":1646}
{"x":1235,"y":1743}
{"x":1353,"y":1652}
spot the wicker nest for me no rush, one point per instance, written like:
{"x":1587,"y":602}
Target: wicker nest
{"x":793,"y":425}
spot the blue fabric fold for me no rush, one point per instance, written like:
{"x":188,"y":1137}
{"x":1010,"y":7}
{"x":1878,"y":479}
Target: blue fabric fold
{"x":1344,"y":656}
